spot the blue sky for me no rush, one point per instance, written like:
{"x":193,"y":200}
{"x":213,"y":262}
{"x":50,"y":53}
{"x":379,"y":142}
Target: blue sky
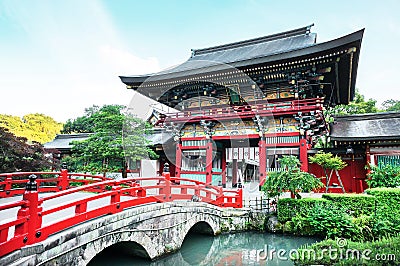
{"x":58,"y":57}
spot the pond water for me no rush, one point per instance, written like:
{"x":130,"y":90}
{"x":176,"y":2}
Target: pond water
{"x":247,"y":248}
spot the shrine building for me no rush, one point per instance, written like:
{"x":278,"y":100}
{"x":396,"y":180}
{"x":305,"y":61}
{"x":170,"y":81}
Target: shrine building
{"x":242,"y":106}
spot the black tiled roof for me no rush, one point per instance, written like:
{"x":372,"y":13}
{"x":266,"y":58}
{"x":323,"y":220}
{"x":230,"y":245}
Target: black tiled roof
{"x":63,"y":141}
{"x":379,"y":126}
{"x":290,"y":44}
{"x":159,"y":137}
{"x":231,"y":60}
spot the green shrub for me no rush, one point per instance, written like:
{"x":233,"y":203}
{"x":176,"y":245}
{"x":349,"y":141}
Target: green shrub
{"x":384,"y":176}
{"x":354,"y":204}
{"x":387,"y":213}
{"x":361,"y":217}
{"x":327,"y":161}
{"x":288,"y":208}
{"x":302,"y":226}
{"x":348,"y":254}
{"x":331,"y":222}
{"x":364,"y":225}
{"x":322,"y":217}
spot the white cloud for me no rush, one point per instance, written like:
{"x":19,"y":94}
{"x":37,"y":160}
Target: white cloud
{"x":125,"y":63}
{"x":70,"y":60}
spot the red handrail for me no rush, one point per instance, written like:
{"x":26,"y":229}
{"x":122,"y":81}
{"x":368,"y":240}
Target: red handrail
{"x":120,"y":194}
{"x":12,"y":184}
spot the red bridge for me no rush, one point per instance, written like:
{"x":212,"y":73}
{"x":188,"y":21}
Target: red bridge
{"x":116,"y":195}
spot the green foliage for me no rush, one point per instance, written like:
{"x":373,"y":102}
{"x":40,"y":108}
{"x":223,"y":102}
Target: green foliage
{"x":336,"y":216}
{"x":389,"y":246}
{"x":327,"y":161}
{"x":104,"y":150}
{"x":290,"y":162}
{"x":391,"y":105}
{"x":288,"y":208}
{"x":364,"y":224}
{"x":384,"y":176}
{"x":18,"y":155}
{"x":353,"y":204}
{"x":358,"y":106}
{"x":331,"y":222}
{"x":387,"y":214}
{"x":324,"y":219}
{"x":330,"y":216}
{"x":293,"y":179}
{"x":134,"y":141}
{"x":82,"y":124}
{"x":34,"y":127}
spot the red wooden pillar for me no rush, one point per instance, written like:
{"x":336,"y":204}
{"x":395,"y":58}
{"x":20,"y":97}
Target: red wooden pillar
{"x":209,"y":159}
{"x":368,"y":156}
{"x":33,"y":211}
{"x":262,"y":154}
{"x":234,"y":172}
{"x":178,"y":160}
{"x":63,"y":183}
{"x":303,"y":155}
{"x":223,"y":167}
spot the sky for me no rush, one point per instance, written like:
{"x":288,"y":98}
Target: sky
{"x":58,"y":57}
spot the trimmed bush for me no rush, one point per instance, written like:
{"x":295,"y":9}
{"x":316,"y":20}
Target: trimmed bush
{"x":288,"y":208}
{"x":326,"y":221}
{"x":350,"y":253}
{"x":354,"y":204}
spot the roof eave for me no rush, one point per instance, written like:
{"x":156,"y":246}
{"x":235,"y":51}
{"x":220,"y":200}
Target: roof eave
{"x":134,"y":81}
{"x":371,"y":138}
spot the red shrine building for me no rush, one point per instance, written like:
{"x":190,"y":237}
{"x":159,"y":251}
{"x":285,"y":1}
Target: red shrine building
{"x":242,"y":106}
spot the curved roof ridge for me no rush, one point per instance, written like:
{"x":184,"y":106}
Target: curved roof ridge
{"x":272,"y":37}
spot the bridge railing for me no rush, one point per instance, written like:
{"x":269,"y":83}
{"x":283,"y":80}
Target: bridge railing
{"x":12,"y":184}
{"x":38,"y":216}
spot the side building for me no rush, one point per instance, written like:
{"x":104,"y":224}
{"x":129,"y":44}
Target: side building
{"x":362,"y":140}
{"x":244,"y":105}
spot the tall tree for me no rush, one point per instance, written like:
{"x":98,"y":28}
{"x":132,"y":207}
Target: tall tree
{"x":35,"y":127}
{"x":17,"y":155}
{"x":358,"y":106}
{"x":82,"y":124}
{"x":104,"y":150}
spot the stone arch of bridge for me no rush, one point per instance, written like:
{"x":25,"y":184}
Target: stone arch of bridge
{"x":139,"y":243}
{"x":128,"y":248}
{"x":135,"y":243}
{"x":201,"y":223}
